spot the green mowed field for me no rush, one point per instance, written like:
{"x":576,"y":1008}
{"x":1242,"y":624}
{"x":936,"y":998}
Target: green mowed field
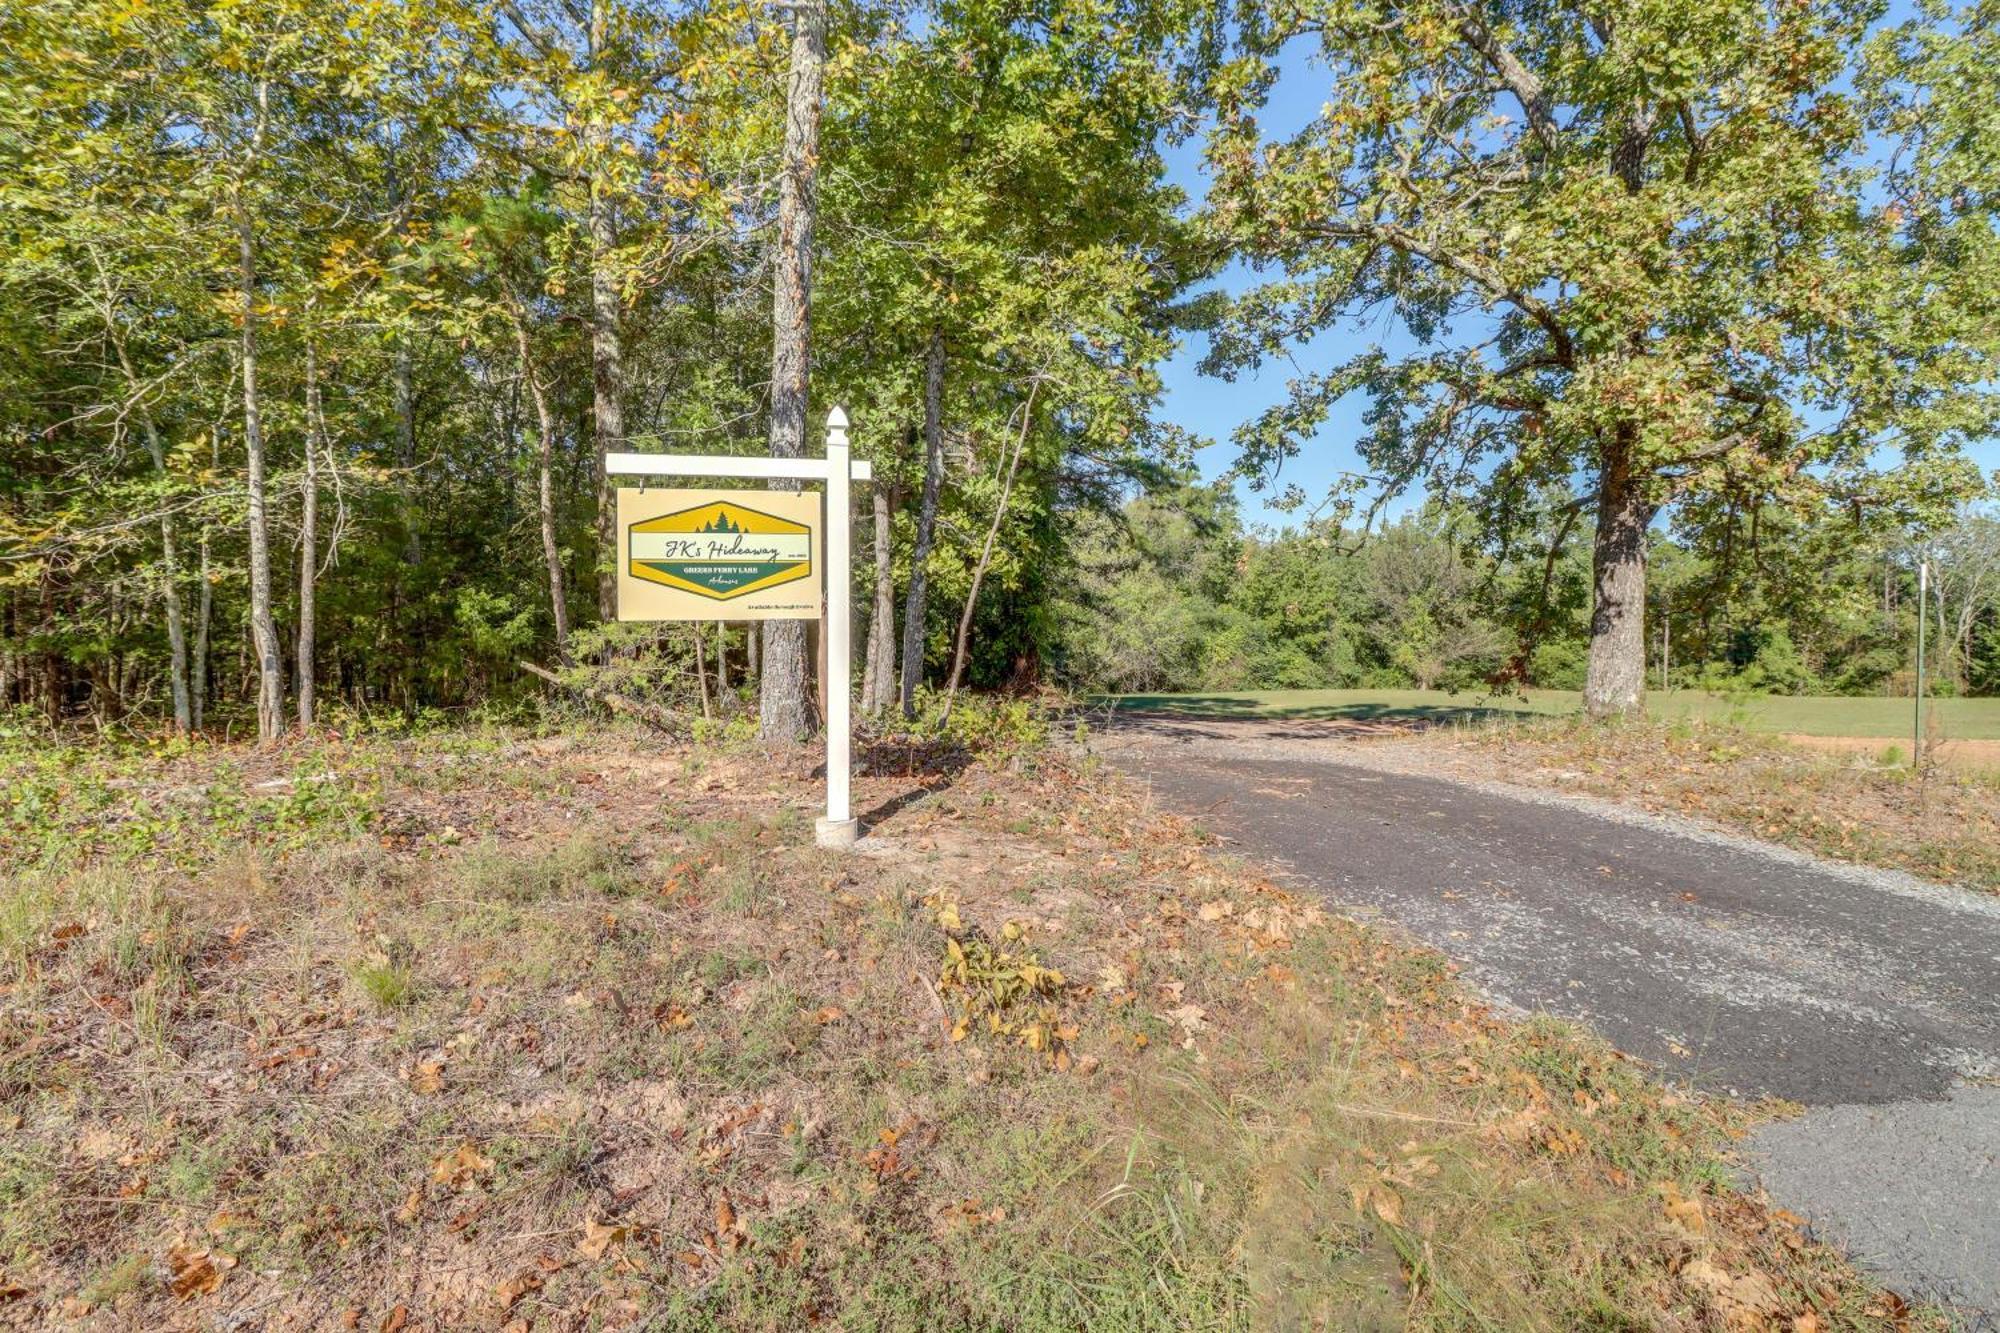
{"x":1816,"y":715}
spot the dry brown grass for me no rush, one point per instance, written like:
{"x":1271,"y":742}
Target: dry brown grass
{"x":563,"y":1033}
{"x":1857,"y":802}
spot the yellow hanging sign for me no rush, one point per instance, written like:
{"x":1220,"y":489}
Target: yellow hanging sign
{"x":718,"y":555}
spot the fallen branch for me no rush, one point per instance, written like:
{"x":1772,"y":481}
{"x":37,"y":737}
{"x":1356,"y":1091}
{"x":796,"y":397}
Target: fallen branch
{"x":650,"y":714}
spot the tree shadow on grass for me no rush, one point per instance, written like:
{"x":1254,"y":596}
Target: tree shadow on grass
{"x":1187,"y":714}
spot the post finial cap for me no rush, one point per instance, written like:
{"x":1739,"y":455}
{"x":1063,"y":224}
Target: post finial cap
{"x":836,"y":419}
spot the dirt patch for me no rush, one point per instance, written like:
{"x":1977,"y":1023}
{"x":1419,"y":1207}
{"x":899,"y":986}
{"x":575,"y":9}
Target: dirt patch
{"x":1964,"y":754}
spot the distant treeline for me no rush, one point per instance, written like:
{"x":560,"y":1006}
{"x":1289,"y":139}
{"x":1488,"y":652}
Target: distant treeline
{"x":1176,"y":594}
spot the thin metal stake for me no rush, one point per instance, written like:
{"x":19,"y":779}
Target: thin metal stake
{"x":1923,"y":614}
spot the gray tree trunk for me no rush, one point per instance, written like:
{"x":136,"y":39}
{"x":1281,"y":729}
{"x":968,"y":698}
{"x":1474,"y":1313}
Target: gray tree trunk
{"x":920,"y":551}
{"x":1615,"y":677}
{"x":878,"y":682}
{"x":309,"y":538}
{"x":403,"y":397}
{"x":264,"y":634}
{"x":204,"y":614}
{"x":545,"y":448}
{"x":701,"y":671}
{"x":607,"y":354}
{"x":783,"y":716}
{"x":170,"y":568}
{"x":170,"y":572}
{"x":406,"y":451}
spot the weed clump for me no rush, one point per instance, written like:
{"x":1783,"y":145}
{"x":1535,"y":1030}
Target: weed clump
{"x":387,"y":982}
{"x":1004,"y":990}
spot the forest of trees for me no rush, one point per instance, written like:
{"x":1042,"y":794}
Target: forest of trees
{"x":1175,"y":595}
{"x":317,"y":320}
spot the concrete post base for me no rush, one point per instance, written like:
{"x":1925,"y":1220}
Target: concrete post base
{"x":836,"y":832}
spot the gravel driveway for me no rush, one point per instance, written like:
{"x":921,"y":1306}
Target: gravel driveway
{"x":1869,"y":996}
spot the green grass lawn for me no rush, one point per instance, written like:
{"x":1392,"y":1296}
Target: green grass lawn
{"x":1957,"y":719}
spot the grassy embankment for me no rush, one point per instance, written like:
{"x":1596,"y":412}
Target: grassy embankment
{"x":497,"y":1030}
{"x":1943,"y":823}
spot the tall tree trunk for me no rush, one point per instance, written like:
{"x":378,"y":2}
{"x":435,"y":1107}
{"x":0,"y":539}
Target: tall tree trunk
{"x":721,"y":657}
{"x":170,"y":580}
{"x":203,"y":617}
{"x":701,"y":670}
{"x":878,"y":680}
{"x":170,"y":570}
{"x":544,"y":487}
{"x":960,"y":650}
{"x":53,"y":688}
{"x":920,"y":551}
{"x":270,"y":670}
{"x":1615,"y":677}
{"x":8,"y":630}
{"x":782,"y":713}
{"x":607,"y":355}
{"x":309,"y":538}
{"x":405,"y":398}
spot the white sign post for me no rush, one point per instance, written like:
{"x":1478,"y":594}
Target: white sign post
{"x":839,"y":471}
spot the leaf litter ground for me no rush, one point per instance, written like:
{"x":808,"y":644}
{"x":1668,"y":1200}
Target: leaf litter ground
{"x":573,"y":1031}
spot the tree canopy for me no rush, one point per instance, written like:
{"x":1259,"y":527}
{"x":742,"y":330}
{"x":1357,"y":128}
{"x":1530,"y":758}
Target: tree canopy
{"x":1643,"y":256}
{"x":319,"y":320}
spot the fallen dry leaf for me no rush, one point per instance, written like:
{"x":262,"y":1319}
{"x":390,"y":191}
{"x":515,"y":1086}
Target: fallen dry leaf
{"x":1191,"y":1019}
{"x":1683,"y":1212}
{"x":600,"y":1237}
{"x":1744,"y":1302}
{"x":228,"y":1221}
{"x":460,"y":1166}
{"x":511,"y":1291}
{"x":196,"y":1272}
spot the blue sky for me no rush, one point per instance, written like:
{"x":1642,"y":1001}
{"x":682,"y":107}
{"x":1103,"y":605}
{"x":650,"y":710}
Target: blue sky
{"x":1213,"y":408}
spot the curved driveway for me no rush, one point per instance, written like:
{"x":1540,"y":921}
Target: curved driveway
{"x":1728,"y":964}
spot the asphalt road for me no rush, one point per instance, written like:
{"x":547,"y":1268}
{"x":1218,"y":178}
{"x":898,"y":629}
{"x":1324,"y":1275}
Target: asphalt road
{"x":1867,"y":996}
